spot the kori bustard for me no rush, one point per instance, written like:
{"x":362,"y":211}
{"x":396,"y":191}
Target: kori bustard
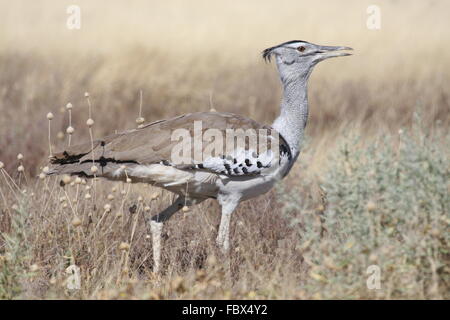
{"x":147,"y":154}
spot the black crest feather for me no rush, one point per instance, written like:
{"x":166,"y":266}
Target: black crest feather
{"x":267,"y":53}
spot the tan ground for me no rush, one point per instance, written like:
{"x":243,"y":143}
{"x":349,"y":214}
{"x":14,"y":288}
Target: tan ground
{"x":191,"y":56}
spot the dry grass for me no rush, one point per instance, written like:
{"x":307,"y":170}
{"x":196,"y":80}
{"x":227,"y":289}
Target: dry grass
{"x":181,"y":55}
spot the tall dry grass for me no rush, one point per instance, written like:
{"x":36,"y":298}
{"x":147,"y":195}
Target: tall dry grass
{"x":189,"y":56}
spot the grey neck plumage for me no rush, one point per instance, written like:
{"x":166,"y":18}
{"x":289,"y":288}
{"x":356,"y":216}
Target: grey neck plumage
{"x":293,"y":117}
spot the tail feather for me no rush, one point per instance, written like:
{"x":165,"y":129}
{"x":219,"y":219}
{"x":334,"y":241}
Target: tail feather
{"x":84,"y":169}
{"x":79,"y":159}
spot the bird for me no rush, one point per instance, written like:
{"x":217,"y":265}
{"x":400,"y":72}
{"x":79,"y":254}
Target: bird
{"x":162,"y":154}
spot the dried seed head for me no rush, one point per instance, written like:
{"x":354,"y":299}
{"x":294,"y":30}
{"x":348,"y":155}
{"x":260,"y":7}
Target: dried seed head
{"x":87,"y":196}
{"x":86,"y":94}
{"x":146,"y":208}
{"x":83,"y":181}
{"x":155,"y":195}
{"x":110,"y":197}
{"x":62,"y":199}
{"x":87,"y":187}
{"x":348,"y":168}
{"x":50,"y":116}
{"x":19,"y":156}
{"x":42,"y":176}
{"x":329,"y":263}
{"x":60,"y":135}
{"x":64,"y":205}
{"x":212,"y":110}
{"x":119,"y":214}
{"x":177,"y":284}
{"x":185,"y":209}
{"x":45,"y":169}
{"x":123,"y":167}
{"x":114,"y":189}
{"x":34,"y":267}
{"x":66,"y":179}
{"x":70,"y":130}
{"x":90,"y":122}
{"x":140,"y":120}
{"x":140,"y":199}
{"x":76,"y":222}
{"x":69,"y":106}
{"x":78,"y":180}
{"x":123,"y":192}
{"x":435,"y":232}
{"x":128,"y":180}
{"x":124,"y":246}
{"x":94,"y":169}
{"x":147,"y":236}
{"x":2,"y":165}
{"x":21,"y":168}
{"x":107,"y":207}
{"x":371,"y":206}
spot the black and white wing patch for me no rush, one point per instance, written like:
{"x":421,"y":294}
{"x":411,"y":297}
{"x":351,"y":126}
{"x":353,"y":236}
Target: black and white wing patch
{"x":243,"y":162}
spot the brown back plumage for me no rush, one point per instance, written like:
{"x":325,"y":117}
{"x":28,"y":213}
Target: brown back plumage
{"x":147,"y":145}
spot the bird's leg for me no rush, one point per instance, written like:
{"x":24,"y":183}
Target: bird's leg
{"x":228,"y":204}
{"x":156,"y":230}
{"x":156,"y":224}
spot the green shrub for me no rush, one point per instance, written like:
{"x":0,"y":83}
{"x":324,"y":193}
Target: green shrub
{"x":14,"y":256}
{"x":386,"y":204}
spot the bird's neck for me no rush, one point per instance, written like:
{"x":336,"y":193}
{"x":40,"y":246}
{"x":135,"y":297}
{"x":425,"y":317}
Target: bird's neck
{"x":293,"y":116}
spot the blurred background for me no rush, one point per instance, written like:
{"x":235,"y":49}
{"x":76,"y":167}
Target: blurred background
{"x":371,"y":186}
{"x":190,"y":55}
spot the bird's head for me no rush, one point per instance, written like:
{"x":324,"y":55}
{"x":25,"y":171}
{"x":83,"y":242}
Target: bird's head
{"x":297,"y":58}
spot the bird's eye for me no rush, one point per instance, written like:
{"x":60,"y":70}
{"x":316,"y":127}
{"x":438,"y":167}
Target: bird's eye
{"x":301,"y":48}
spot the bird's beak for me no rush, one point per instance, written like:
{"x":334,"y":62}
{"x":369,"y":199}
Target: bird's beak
{"x":325,"y":52}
